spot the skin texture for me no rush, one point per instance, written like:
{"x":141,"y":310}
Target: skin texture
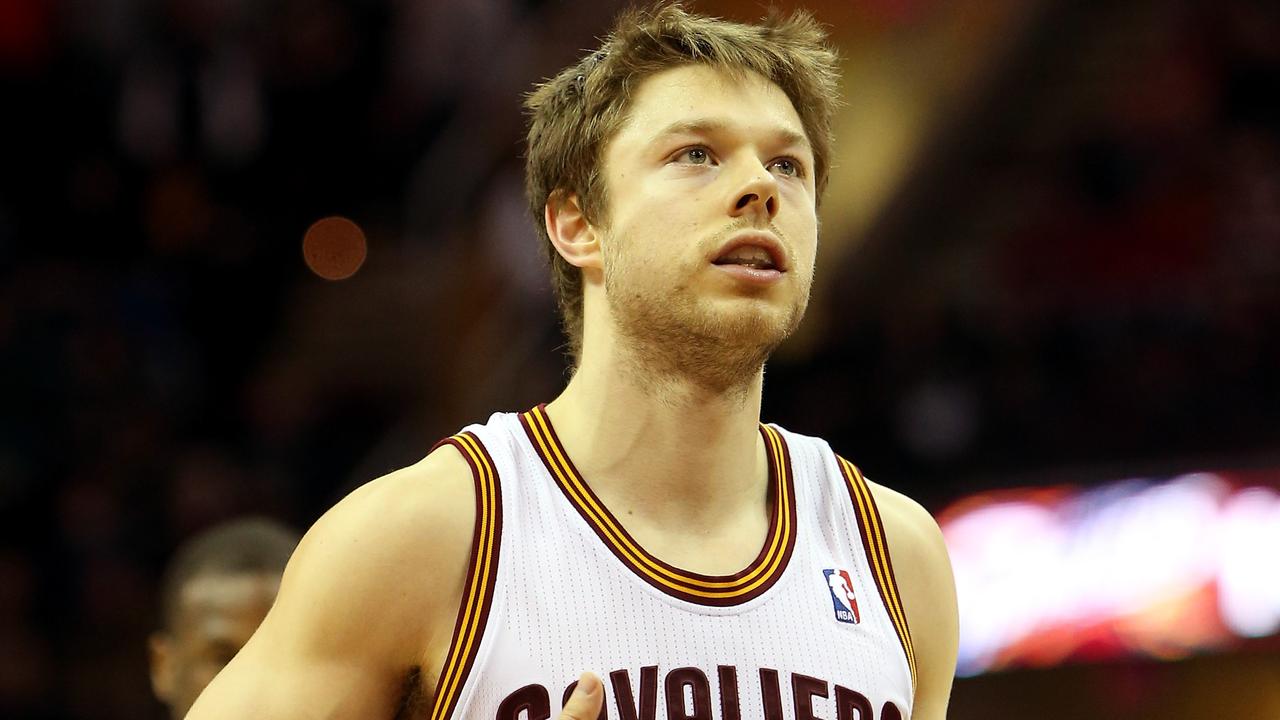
{"x":216,"y":615}
{"x":673,"y":353}
{"x":318,"y":654}
{"x":645,"y":384}
{"x":928,"y":592}
{"x":680,"y":194}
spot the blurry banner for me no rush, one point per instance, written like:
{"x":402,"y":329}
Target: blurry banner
{"x":1140,"y":567}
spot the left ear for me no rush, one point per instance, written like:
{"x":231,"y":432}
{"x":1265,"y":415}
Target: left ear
{"x":160,"y":652}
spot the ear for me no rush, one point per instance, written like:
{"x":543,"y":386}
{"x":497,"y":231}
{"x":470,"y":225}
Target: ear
{"x":572,"y":235}
{"x":160,"y":652}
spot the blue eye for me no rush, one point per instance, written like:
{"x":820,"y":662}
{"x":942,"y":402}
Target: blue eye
{"x":697,"y":155}
{"x":787,"y":167}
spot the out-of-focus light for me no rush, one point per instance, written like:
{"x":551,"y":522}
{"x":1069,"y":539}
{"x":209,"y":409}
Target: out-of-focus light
{"x":334,"y":248}
{"x":1137,"y":567}
{"x":1249,"y":557}
{"x":1002,"y":556}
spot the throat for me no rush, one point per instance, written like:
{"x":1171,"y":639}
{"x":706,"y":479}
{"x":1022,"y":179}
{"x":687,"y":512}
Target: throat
{"x":697,"y":519}
{"x":723,"y":550}
{"x":694,"y":488}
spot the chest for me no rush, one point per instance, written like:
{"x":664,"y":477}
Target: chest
{"x":816,"y":645}
{"x":802,"y":631}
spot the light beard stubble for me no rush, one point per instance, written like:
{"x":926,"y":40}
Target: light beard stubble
{"x":671,"y":336}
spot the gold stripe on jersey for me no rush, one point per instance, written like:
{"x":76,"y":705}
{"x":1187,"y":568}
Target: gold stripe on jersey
{"x":873,"y":539}
{"x":478,"y":595}
{"x":696,"y":588}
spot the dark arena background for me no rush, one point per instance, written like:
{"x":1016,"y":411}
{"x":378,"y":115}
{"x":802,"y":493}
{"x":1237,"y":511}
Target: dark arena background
{"x":254,"y":253}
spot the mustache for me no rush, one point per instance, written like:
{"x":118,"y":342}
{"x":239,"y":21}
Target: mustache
{"x":741,"y":224}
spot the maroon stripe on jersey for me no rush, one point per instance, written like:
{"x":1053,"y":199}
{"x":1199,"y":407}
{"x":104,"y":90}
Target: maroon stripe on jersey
{"x":712,"y":590}
{"x":877,"y":554}
{"x":482,"y":570}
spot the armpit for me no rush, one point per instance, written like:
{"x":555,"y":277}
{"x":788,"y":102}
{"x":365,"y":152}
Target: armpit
{"x":413,"y":700}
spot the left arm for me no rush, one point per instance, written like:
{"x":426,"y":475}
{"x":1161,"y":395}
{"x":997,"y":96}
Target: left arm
{"x":928,"y":590}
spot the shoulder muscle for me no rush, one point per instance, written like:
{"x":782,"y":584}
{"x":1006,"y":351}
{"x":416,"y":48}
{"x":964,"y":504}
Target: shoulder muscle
{"x":388,"y":550}
{"x":922,"y":568}
{"x":371,"y":586}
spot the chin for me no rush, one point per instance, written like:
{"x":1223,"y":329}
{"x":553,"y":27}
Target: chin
{"x":717,"y":342}
{"x":765,"y":323}
{"x":747,"y":336}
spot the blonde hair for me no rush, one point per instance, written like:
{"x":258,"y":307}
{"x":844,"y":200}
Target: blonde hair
{"x":573,"y":115}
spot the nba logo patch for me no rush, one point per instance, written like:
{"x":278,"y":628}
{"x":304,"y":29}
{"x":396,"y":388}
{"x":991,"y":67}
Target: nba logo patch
{"x":841,"y":587}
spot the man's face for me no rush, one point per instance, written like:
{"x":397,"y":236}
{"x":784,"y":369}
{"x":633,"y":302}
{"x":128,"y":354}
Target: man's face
{"x":707,"y":161}
{"x":217,"y":613}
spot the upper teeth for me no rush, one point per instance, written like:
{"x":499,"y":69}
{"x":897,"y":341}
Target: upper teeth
{"x":748,"y":253}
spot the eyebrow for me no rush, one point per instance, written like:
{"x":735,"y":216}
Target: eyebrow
{"x":787,"y":136}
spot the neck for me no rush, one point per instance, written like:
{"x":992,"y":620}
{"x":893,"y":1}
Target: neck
{"x":662,"y":446}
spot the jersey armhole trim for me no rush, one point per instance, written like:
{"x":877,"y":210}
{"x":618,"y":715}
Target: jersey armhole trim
{"x":482,"y":569}
{"x":871,"y":528}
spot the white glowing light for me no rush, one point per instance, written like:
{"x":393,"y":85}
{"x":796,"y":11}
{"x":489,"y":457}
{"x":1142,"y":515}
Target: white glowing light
{"x":1131,"y":566}
{"x":998,"y":554}
{"x":1249,"y":561}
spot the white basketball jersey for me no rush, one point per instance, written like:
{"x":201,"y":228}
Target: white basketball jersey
{"x":813,"y":628}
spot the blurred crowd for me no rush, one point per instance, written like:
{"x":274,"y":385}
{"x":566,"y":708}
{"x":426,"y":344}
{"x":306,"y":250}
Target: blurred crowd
{"x":161,"y":360}
{"x":1084,"y":275}
{"x":1086,"y":271}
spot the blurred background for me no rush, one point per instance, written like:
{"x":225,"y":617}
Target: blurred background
{"x":1048,"y":298}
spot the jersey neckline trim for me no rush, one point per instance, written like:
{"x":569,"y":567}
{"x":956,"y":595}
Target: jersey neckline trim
{"x":712,"y":590}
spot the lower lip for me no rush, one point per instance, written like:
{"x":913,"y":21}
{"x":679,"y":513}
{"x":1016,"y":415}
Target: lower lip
{"x":753,"y":276}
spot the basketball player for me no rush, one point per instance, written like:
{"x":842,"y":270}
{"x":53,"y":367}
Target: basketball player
{"x":215,"y":592}
{"x":644,"y":527}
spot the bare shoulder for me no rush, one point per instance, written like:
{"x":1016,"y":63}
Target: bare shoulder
{"x":391,"y":549}
{"x":919,"y":555}
{"x":372,"y":587}
{"x":912,"y":532}
{"x":388,"y":518}
{"x":921,"y":564}
{"x":922,"y":569}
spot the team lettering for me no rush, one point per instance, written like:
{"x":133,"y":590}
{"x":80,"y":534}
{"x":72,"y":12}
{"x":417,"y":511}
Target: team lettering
{"x":688,"y":696}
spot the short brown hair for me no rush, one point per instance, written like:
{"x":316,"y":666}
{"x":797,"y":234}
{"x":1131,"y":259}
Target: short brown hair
{"x":253,"y":545}
{"x":574,"y":114}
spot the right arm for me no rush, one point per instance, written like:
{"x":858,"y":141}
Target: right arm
{"x":370,"y":595}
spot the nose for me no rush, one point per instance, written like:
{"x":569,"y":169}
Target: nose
{"x":757,"y":195}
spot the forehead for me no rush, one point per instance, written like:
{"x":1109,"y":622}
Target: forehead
{"x":227,"y":596}
{"x":745,"y":102}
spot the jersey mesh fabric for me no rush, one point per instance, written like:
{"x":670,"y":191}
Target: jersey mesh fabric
{"x":566,"y":603}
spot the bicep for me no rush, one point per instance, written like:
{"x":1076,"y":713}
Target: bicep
{"x":932,"y":611}
{"x":275,"y":678}
{"x":925,"y":581}
{"x":369,"y":588}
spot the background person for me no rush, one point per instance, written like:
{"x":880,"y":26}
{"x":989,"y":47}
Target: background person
{"x":217,"y":589}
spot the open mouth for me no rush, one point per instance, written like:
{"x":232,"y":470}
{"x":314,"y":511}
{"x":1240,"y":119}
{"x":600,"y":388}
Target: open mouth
{"x":750,"y":256}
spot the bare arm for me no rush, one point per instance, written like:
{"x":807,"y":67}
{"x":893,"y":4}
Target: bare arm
{"x":923,"y":571}
{"x":369,"y":596}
